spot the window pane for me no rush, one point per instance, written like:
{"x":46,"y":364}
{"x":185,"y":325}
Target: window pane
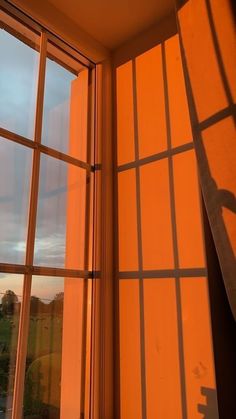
{"x":15,"y":173}
{"x":10,"y":300}
{"x":18,"y":85}
{"x":56,"y":106}
{"x":54,"y":350}
{"x":60,"y":233}
{"x":65,"y":111}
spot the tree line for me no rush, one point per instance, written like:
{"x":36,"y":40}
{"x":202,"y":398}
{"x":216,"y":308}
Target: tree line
{"x":10,"y":304}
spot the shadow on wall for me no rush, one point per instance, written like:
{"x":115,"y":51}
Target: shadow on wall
{"x":161,"y":265}
{"x":162,"y":274}
{"x":213,"y":117}
{"x":209,"y":410}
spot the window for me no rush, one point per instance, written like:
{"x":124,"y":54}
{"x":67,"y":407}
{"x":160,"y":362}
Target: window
{"x":47,"y":191}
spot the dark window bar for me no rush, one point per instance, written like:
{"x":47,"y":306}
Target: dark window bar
{"x":44,"y":149}
{"x":48,"y":271}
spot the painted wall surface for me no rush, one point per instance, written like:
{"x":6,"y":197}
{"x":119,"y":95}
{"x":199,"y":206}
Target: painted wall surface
{"x":165,"y":344}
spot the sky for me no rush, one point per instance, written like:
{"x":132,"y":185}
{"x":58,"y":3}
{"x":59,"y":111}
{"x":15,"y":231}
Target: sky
{"x":18,"y":86}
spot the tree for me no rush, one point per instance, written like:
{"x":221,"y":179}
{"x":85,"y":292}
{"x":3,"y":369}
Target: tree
{"x":57,"y":304}
{"x":36,"y":306}
{"x":9,"y":300}
{"x":59,"y":296}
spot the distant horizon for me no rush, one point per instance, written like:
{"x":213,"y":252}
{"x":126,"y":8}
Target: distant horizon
{"x":14,"y":282}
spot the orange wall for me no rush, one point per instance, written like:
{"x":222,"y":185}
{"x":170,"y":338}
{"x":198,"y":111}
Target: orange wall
{"x":165,"y":348}
{"x":74,"y":288}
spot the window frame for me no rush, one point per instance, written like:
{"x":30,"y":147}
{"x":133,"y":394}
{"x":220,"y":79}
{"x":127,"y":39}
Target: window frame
{"x":28,"y":269}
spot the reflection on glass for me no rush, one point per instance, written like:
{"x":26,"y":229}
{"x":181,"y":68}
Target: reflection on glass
{"x":18,"y":85}
{"x":15,"y":172}
{"x":54,"y":353}
{"x":61,"y":215}
{"x":10,"y":301}
{"x":57,"y":106}
{"x":43,"y":363}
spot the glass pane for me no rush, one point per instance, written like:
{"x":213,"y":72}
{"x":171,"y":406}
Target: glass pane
{"x":18,"y":85}
{"x":10,"y":301}
{"x":15,"y":173}
{"x":54,"y":353}
{"x":60,"y":232}
{"x":65,"y":105}
{"x":57,"y":106}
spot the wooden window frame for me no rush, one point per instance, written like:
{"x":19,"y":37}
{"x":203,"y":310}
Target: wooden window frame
{"x":99,"y":383}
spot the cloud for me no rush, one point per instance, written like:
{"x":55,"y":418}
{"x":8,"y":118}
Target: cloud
{"x":18,"y":86}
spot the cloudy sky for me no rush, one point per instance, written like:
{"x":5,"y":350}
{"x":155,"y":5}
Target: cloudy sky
{"x":18,"y":85}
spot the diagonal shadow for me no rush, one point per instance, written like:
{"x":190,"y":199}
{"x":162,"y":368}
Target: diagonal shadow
{"x":215,"y":199}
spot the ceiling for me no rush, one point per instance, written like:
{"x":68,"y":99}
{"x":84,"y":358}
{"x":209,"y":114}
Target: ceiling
{"x":113,"y":22}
